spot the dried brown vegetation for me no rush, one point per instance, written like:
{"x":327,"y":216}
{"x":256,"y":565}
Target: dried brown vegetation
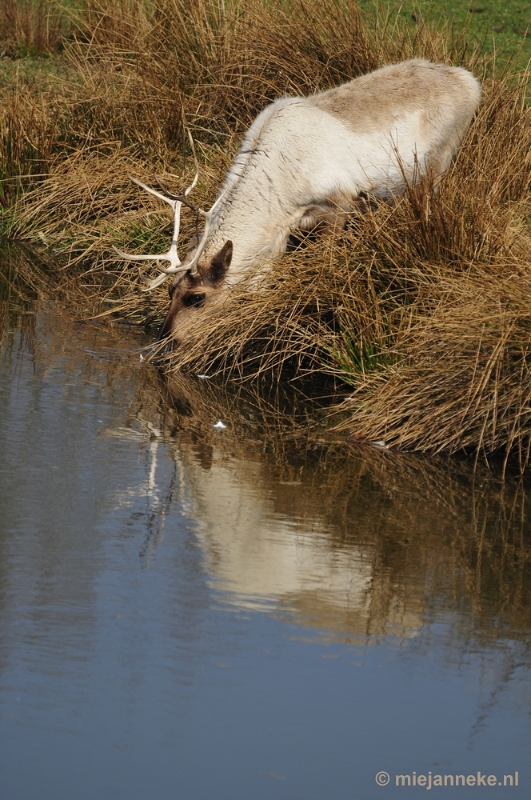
{"x":31,"y":27}
{"x":421,"y":309}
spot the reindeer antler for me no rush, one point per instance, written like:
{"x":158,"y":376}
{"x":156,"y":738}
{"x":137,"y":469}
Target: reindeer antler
{"x":171,"y":255}
{"x":175,"y":201}
{"x":207,"y":215}
{"x":182,"y":198}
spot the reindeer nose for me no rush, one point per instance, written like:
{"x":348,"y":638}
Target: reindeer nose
{"x":167,"y":344}
{"x":166,"y":327}
{"x":163,"y":332}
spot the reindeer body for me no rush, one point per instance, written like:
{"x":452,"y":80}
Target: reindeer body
{"x":305,"y":160}
{"x":304,"y":157}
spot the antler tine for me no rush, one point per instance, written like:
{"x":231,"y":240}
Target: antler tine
{"x":181,"y":198}
{"x":165,"y":197}
{"x":152,"y":257}
{"x":196,"y":162}
{"x":159,"y":280}
{"x":164,"y":273}
{"x":171,"y":255}
{"x":207,"y":215}
{"x":175,"y":201}
{"x":192,"y":266}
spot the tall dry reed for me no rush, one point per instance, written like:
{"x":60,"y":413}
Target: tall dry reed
{"x":32,"y":27}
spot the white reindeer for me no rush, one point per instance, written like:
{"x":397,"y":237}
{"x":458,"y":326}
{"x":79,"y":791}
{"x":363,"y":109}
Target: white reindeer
{"x":306,"y":160}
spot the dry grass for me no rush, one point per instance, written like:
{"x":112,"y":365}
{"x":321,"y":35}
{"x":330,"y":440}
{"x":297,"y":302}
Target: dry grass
{"x":28,"y":124}
{"x":421,"y":309}
{"x":32,"y":27}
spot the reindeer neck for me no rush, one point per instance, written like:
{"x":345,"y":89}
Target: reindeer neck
{"x":251,"y":216}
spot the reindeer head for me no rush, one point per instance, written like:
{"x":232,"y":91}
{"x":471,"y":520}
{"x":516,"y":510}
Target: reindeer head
{"x":192,"y":292}
{"x":197,"y":285}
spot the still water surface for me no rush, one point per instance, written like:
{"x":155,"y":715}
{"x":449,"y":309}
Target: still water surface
{"x":190,"y":613}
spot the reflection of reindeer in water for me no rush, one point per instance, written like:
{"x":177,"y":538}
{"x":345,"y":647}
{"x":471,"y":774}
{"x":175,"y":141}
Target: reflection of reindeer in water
{"x":305,"y":162}
{"x":345,"y":537}
{"x":259,"y":518}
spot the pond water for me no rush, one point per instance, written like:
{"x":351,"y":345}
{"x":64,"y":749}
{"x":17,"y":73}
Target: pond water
{"x":243,"y":612}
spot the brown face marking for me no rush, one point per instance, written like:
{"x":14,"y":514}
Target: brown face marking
{"x":186,"y":292}
{"x":189,"y":293}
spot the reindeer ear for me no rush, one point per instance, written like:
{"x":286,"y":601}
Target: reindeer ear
{"x":219,"y":265}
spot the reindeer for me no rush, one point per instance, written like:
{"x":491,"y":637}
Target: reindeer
{"x":304,"y":162}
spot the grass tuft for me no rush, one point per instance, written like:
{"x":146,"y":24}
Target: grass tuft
{"x":32,"y":27}
{"x":417,"y":311}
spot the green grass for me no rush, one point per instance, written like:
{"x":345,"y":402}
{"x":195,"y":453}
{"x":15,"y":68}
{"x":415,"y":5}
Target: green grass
{"x":503,"y":28}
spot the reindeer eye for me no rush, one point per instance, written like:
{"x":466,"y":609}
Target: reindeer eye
{"x":194,"y":300}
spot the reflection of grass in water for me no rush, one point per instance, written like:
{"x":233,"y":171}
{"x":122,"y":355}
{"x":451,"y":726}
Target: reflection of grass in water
{"x":436,"y":535}
{"x":23,"y":276}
